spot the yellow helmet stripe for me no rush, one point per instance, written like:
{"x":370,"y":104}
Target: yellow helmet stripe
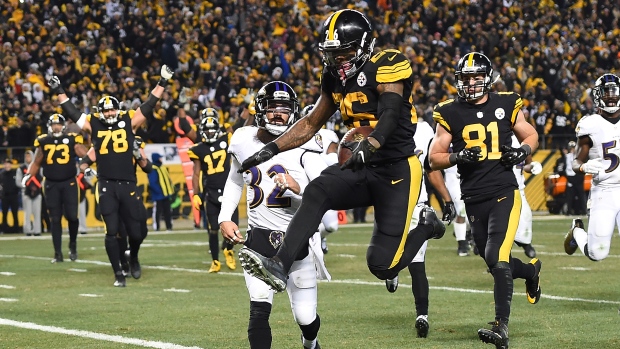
{"x":332,"y":24}
{"x":470,"y":60}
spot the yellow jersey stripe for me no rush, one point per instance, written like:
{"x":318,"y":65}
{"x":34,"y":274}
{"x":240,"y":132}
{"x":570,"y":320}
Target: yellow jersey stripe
{"x":515,"y":111}
{"x":440,"y":120}
{"x":332,"y":24}
{"x":192,"y":155}
{"x":395,"y":76}
{"x":393,"y":67}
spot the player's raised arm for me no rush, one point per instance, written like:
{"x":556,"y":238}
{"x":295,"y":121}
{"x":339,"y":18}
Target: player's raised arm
{"x":145,"y":111}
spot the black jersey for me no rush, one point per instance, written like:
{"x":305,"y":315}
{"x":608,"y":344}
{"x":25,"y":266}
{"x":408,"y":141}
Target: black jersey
{"x":214,"y":161}
{"x":358,"y":101}
{"x":59,"y":155}
{"x":114,"y":147}
{"x":489,"y":126}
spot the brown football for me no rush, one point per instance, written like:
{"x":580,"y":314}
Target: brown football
{"x":353,"y":135}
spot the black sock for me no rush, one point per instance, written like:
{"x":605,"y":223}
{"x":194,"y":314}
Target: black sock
{"x":259,"y":331}
{"x":311,"y":331}
{"x":213,"y":245}
{"x":521,"y":270}
{"x":503,"y":289}
{"x":57,"y":235}
{"x":419,"y":287}
{"x":122,"y":247}
{"x":111,"y":248}
{"x":73,"y":230}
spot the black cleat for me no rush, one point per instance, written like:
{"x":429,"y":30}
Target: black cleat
{"x":57,"y":258}
{"x":134,"y":267}
{"x":429,"y":217}
{"x":463,"y":248}
{"x":119,"y":280}
{"x":266,"y":269}
{"x":498,"y":334}
{"x":73,"y":251}
{"x":570,"y":245}
{"x":125,"y":268}
{"x":392,"y":284}
{"x":529,"y":250}
{"x":422,"y":326}
{"x":532,"y":286}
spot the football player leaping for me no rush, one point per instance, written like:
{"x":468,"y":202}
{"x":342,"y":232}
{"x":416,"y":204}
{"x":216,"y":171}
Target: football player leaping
{"x":273,"y":196}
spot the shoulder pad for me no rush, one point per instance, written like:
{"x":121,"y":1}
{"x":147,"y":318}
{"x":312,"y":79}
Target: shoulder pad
{"x":240,"y":136}
{"x":129,"y":112}
{"x":314,"y":144}
{"x":38,"y":140}
{"x":392,"y":66}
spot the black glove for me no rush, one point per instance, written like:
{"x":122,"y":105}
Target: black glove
{"x":512,"y":156}
{"x":270,"y":150}
{"x":362,"y":152}
{"x":468,"y":155}
{"x":449,"y":212}
{"x":184,"y":125}
{"x":55,"y":86}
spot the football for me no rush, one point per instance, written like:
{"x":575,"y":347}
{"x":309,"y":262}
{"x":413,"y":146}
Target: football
{"x":353,"y":135}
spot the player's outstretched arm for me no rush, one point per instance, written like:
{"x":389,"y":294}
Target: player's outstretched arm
{"x":68,"y":109}
{"x":145,"y":111}
{"x":230,"y":200}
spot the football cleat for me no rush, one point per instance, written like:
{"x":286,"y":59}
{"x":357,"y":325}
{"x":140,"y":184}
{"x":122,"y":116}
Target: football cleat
{"x":134,"y":267}
{"x":125,"y":268}
{"x":230,"y":259}
{"x":266,"y":269}
{"x":570,"y":244}
{"x":532,"y":286}
{"x":498,"y":334}
{"x":119,"y":280}
{"x":392,"y":284}
{"x":72,"y":251}
{"x":215,"y":267}
{"x":422,"y":326}
{"x":57,"y":258}
{"x":324,"y":245}
{"x":529,"y":250}
{"x":463,"y":248}
{"x":429,"y":217}
{"x":316,"y":343}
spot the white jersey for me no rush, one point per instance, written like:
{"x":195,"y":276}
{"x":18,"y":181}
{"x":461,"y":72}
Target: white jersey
{"x":423,"y":136}
{"x":518,"y":168}
{"x":269,"y":206}
{"x":605,"y":138}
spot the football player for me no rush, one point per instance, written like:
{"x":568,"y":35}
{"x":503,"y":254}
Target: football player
{"x":328,"y":142}
{"x":56,"y":153}
{"x":212,"y":160}
{"x":113,"y":134}
{"x":523,"y":238}
{"x":273,"y":196}
{"x":383,"y":171}
{"x":479,"y":124}
{"x":598,"y":154}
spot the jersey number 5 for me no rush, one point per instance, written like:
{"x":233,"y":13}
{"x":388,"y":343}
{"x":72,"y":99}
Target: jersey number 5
{"x":480,"y":139}
{"x":119,"y":141}
{"x":64,"y":153}
{"x":275,"y":199}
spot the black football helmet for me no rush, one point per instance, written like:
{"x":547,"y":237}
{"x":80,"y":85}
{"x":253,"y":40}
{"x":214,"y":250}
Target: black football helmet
{"x":606,"y":93}
{"x":279,"y":97}
{"x":209,"y":112}
{"x":346,"y":42}
{"x":473,"y":63}
{"x":108,"y":103}
{"x":209,"y":129}
{"x":53,"y":120}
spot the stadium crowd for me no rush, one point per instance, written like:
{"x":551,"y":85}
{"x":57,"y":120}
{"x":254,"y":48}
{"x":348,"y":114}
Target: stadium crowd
{"x":548,"y":51}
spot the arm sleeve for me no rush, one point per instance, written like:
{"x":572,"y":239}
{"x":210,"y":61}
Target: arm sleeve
{"x":232,"y":192}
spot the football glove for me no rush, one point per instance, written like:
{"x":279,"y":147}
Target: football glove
{"x":593,"y":166}
{"x":166,"y":74}
{"x":535,"y":167}
{"x":449,"y":212}
{"x":197,"y":201}
{"x":468,"y":155}
{"x":55,"y":86}
{"x":89,"y":176}
{"x":362,"y":152}
{"x":137,"y":145}
{"x":512,"y":156}
{"x":25,"y":180}
{"x":270,"y":150}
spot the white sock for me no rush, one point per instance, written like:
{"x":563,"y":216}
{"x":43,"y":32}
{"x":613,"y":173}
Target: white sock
{"x":322,"y":230}
{"x":581,"y":237}
{"x":460,"y":231}
{"x":309,"y":344}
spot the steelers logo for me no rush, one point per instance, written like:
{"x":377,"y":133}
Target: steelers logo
{"x":500,"y":113}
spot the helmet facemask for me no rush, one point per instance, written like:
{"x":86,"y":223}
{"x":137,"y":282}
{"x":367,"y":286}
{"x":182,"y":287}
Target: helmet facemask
{"x":56,"y":119}
{"x":278,"y":109}
{"x":210,"y":129}
{"x":108,"y":109}
{"x":472,"y":86}
{"x":344,"y":60}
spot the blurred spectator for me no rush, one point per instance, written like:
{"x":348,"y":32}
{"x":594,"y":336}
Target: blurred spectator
{"x":575,"y":195}
{"x":161,"y":191}
{"x":9,"y":196}
{"x":31,"y":196}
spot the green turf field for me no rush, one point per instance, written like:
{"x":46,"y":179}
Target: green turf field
{"x":177,"y":304}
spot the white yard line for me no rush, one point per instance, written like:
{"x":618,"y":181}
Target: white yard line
{"x":93,"y":335}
